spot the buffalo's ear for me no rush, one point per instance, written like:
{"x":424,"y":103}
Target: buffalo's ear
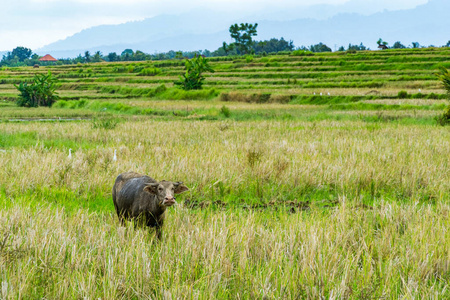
{"x":152,"y":188}
{"x":180,"y":188}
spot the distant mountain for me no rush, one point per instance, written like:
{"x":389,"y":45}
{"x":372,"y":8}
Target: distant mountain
{"x":425,"y":24}
{"x":204,"y":29}
{"x":150,"y":35}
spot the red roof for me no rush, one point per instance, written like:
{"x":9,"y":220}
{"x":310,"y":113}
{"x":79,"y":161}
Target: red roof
{"x":48,"y":57}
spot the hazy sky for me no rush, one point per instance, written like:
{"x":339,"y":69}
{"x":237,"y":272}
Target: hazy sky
{"x":35,"y":23}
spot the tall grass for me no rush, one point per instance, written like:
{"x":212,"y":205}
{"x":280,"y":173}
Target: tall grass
{"x":390,"y":251}
{"x":297,"y":158}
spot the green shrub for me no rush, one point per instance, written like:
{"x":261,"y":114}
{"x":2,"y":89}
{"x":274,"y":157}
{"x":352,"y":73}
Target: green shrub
{"x":302,"y":53}
{"x":41,"y":92}
{"x":71,"y":104}
{"x":444,"y":76}
{"x":418,"y":96}
{"x":105,"y":122}
{"x":432,"y":96}
{"x":159,"y":89}
{"x":61,"y":104}
{"x":362,"y":67}
{"x":444,"y":119}
{"x":192,"y":79}
{"x":225,"y":111}
{"x":402,"y":94}
{"x":149,"y":72}
{"x":119,"y":69}
{"x":177,"y":94}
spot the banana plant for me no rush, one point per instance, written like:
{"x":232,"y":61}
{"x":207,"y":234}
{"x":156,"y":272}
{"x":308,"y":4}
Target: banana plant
{"x":193,"y":77}
{"x":41,"y":92}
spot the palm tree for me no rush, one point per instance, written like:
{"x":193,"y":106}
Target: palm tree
{"x":87,"y":56}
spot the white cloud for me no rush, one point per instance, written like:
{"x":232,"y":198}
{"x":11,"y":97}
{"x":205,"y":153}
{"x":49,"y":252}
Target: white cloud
{"x":31,"y":38}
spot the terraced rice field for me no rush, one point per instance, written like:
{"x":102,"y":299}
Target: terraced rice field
{"x":376,"y":73}
{"x":311,"y":177}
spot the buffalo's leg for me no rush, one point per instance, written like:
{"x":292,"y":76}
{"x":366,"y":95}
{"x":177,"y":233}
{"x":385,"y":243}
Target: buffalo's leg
{"x":159,"y":233}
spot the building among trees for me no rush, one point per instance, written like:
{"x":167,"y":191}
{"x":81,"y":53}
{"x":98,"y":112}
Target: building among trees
{"x":47,"y":58}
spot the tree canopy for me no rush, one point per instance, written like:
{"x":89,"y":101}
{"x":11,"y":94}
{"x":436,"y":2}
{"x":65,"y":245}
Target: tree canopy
{"x":242,"y":35}
{"x":359,"y":47}
{"x":398,"y":45}
{"x":21,"y":53}
{"x":381,"y":42}
{"x":320,"y":47}
{"x":18,"y":56}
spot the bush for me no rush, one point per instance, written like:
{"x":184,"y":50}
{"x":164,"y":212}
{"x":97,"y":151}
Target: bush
{"x":150,"y":72}
{"x":158,"y":90}
{"x":444,"y":76}
{"x":193,"y":78}
{"x":402,"y":94}
{"x":41,"y":92}
{"x":105,"y":122}
{"x":444,"y":119}
{"x":225,"y":111}
{"x":119,"y":69}
{"x":177,"y":94}
{"x":71,"y":104}
{"x":362,"y":67}
{"x":302,"y":53}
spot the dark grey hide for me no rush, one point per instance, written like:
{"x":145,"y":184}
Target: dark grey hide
{"x":142,"y":198}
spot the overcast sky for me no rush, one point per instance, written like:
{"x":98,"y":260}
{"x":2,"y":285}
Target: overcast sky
{"x":35,"y":23}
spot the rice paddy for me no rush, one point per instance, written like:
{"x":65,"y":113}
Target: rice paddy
{"x":293,"y":194}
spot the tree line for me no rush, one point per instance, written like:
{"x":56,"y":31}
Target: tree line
{"x":12,"y":59}
{"x":243,"y":44}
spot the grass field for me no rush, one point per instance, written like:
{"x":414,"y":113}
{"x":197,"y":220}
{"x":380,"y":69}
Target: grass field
{"x":293,"y":194}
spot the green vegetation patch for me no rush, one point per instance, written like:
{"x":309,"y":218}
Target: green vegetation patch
{"x":33,"y":138}
{"x":20,"y":139}
{"x":115,"y":107}
{"x":379,"y":106}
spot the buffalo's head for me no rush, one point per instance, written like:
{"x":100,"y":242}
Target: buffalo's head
{"x":165,"y":191}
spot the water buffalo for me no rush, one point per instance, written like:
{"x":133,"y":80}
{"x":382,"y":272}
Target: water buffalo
{"x":142,"y":198}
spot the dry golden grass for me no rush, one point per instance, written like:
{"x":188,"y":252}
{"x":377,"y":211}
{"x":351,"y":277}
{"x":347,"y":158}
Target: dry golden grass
{"x":51,"y":247}
{"x":390,"y":251}
{"x":11,"y":113}
{"x":189,"y":105}
{"x":348,"y":156}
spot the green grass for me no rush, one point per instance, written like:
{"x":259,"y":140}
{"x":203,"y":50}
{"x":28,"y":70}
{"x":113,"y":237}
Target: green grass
{"x":285,"y":75}
{"x":20,"y":139}
{"x":378,"y":106}
{"x":33,"y":138}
